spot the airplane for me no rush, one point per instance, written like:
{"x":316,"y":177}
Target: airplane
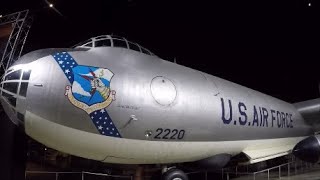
{"x":114,"y":101}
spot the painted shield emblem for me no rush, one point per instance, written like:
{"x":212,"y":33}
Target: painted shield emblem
{"x":91,"y":85}
{"x":89,"y":91}
{"x":91,"y":88}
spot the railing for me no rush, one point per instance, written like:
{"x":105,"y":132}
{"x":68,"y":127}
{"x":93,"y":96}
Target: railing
{"x":35,"y":175}
{"x":106,"y":175}
{"x":278,"y":171}
{"x":303,"y":165}
{"x":225,"y":173}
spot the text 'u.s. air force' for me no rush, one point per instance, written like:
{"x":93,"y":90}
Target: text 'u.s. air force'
{"x":254,"y":115}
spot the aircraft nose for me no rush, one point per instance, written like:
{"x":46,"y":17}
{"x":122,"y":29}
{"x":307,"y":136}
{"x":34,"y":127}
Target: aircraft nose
{"x":15,"y":83}
{"x":13,"y":92}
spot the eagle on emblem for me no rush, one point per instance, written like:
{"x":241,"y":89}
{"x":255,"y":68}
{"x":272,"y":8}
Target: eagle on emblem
{"x":90,"y":88}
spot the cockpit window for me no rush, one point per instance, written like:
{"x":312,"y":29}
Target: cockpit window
{"x":134,"y":46}
{"x":119,"y":43}
{"x":23,"y":89}
{"x":12,"y":100}
{"x":145,"y":51}
{"x":13,"y":75}
{"x":112,"y":41}
{"x":104,"y":42}
{"x":81,"y":44}
{"x":116,"y":37}
{"x":88,"y":44}
{"x":100,"y":37}
{"x":9,"y":70}
{"x":26,"y":75}
{"x":14,"y":85}
{"x":11,"y":87}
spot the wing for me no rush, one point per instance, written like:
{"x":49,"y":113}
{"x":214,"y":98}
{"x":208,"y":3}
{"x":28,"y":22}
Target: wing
{"x":309,"y":110}
{"x":262,"y":153}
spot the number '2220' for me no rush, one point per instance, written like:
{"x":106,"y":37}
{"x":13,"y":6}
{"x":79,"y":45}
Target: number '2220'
{"x":169,"y":134}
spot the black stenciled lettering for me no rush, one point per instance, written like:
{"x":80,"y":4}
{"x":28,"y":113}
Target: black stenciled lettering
{"x":272,"y":116}
{"x":167,"y":132}
{"x":242,"y":108}
{"x":265,"y":116}
{"x":283,"y":119}
{"x":174,"y":133}
{"x":224,"y":119}
{"x":279,"y":119}
{"x":255,"y":116}
{"x":261,"y":120}
{"x":181,"y":134}
{"x":159,"y":131}
{"x":287,"y":120}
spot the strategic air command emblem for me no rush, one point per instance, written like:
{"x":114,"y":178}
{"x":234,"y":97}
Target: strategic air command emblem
{"x":90,"y":91}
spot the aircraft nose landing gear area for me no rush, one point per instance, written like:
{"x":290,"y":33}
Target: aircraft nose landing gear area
{"x":174,"y":174}
{"x":171,"y":173}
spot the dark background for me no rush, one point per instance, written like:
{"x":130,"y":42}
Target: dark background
{"x":268,"y":45}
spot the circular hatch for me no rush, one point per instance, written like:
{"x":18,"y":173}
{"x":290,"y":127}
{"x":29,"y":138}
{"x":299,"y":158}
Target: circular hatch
{"x":163,"y":90}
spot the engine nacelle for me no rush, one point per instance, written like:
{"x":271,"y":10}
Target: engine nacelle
{"x":308,"y":149}
{"x":214,"y":162}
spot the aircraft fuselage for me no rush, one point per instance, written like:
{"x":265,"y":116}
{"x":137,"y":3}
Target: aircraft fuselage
{"x":144,"y":109}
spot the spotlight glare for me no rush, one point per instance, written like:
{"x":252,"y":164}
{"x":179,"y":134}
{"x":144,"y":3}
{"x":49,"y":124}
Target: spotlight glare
{"x":51,"y":5}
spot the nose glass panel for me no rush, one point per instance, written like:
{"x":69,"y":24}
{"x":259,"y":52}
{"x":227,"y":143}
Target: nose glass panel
{"x":13,"y":91}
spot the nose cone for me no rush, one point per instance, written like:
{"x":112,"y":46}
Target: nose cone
{"x":15,"y":82}
{"x":13,"y":89}
{"x":308,"y":150}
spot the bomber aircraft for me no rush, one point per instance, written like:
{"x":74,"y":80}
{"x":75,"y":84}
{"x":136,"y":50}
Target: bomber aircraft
{"x":111,"y":100}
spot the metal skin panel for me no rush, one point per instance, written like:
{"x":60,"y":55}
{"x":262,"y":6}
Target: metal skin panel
{"x":201,"y":107}
{"x":131,"y":151}
{"x":197,"y":108}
